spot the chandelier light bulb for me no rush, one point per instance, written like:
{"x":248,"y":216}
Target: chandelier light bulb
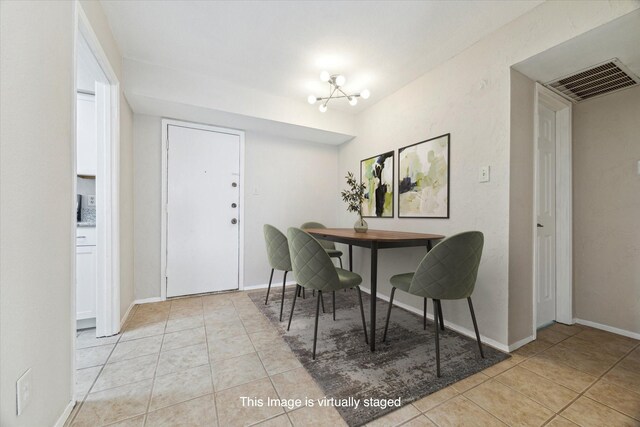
{"x":336,"y":91}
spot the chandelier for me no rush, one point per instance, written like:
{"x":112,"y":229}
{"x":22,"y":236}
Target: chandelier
{"x":336,"y":81}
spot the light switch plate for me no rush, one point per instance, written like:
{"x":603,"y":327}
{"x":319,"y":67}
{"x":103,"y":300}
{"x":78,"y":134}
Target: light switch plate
{"x":23,"y":391}
{"x":91,"y":201}
{"x":483,"y":175}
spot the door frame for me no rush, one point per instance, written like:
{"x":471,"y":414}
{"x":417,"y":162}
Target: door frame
{"x":108,"y":320}
{"x":166,"y":122}
{"x":564,"y":204}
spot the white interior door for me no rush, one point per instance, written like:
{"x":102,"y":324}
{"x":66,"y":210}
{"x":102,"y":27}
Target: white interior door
{"x":546,"y":217}
{"x":202,"y":211}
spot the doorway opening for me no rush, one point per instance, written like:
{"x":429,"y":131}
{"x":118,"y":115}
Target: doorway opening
{"x":552,"y":227}
{"x":202,"y":211}
{"x":96,"y":294}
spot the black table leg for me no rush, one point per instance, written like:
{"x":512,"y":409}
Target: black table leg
{"x":350,"y":258}
{"x":429,"y":245}
{"x":374,"y":293}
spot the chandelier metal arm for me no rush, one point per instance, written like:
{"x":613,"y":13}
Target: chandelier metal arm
{"x":335,"y":91}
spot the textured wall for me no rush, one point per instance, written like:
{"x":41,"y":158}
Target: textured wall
{"x":468,"y":96}
{"x":606,"y":210}
{"x":521,"y":207}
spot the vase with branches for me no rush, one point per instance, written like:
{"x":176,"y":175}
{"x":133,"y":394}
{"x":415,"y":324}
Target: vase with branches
{"x":353,"y":196}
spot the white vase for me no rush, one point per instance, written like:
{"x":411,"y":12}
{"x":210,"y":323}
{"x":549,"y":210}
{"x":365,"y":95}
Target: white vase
{"x":361,"y":225}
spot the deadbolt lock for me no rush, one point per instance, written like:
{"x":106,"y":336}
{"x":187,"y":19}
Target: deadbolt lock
{"x":233,"y":205}
{"x":234,"y":221}
{"x":235,"y":184}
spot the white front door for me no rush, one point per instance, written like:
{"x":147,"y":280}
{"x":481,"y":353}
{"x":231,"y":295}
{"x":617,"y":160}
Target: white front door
{"x":202,"y":211}
{"x":546,"y":217}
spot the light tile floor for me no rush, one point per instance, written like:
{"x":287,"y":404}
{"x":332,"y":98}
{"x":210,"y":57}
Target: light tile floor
{"x":165,"y":370}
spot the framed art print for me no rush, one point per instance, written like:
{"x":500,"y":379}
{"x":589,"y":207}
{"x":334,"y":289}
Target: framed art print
{"x":377,"y":173}
{"x":423,"y":179}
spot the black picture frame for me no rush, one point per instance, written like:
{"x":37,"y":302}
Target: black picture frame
{"x":407,"y":184}
{"x":387,"y":158}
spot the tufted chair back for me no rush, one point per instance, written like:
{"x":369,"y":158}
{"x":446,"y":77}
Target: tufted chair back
{"x":325,"y":243}
{"x":450,"y":269}
{"x":277,"y":248}
{"x":311,"y":264}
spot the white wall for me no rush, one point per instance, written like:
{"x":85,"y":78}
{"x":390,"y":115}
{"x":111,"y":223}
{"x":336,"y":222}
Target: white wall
{"x":606,"y":209}
{"x":468,"y":96}
{"x":36,"y":207}
{"x":295,"y":181}
{"x":38,"y":239}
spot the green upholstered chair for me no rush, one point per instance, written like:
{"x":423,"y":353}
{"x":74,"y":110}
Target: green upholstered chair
{"x":278,"y":255}
{"x":328,"y":246}
{"x":448,"y":272}
{"x":313,"y":269}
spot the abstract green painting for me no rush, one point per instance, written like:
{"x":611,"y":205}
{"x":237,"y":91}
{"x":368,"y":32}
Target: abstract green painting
{"x":423,"y":179}
{"x":377,"y":173}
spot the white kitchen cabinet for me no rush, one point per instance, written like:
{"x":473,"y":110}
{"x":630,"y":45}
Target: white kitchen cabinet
{"x":86,"y":274}
{"x":86,"y":150}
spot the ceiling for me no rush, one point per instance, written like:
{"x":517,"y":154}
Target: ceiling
{"x":616,"y":39}
{"x":280,"y":47}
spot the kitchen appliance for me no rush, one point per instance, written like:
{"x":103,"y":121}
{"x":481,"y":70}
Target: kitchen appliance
{"x":79,"y":208}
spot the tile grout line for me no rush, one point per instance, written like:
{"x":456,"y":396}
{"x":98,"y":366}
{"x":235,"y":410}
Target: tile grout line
{"x":155,"y":372}
{"x":263,"y":367}
{"x":206,"y":340}
{"x":599,"y":378}
{"x":93,"y":383}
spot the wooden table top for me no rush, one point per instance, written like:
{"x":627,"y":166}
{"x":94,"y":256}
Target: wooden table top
{"x":373,"y":235}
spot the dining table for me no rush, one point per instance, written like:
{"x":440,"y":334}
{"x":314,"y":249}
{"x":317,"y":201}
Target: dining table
{"x":374,"y":240}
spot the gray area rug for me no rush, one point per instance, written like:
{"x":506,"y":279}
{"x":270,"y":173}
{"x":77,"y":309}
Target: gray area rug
{"x":402,"y":367}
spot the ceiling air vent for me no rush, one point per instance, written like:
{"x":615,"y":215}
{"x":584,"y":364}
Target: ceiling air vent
{"x":605,"y":78}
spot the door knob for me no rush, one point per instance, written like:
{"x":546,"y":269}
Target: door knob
{"x":540,"y":225}
{"x":234,"y":184}
{"x":234,"y":221}
{"x":233,"y":205}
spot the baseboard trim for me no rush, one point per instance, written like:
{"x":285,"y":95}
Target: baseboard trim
{"x":608,"y":328}
{"x":464,"y":331}
{"x":65,"y":414}
{"x":266,"y":285}
{"x":126,"y":314}
{"x":516,"y":345}
{"x":147,"y":300}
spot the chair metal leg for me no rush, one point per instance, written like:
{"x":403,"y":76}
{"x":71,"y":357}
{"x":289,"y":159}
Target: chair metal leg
{"x":440,"y":316}
{"x":364,"y":323}
{"x":340,"y":259}
{"x":284,"y":284}
{"x":315,"y":332}
{"x":435,"y":320}
{"x":293,"y":304}
{"x":424,"y":315}
{"x":386,"y":325}
{"x":333,"y":302}
{"x":269,"y":287}
{"x":304,"y":296}
{"x":475,"y":326}
{"x":322,"y":301}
